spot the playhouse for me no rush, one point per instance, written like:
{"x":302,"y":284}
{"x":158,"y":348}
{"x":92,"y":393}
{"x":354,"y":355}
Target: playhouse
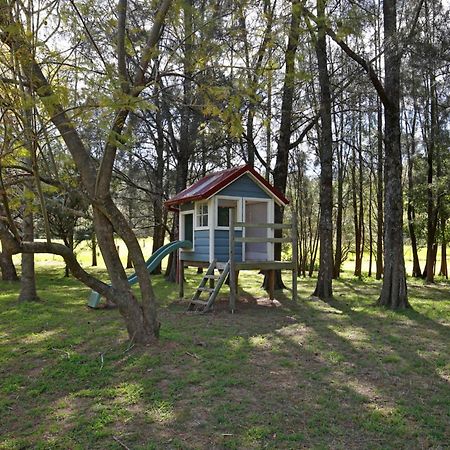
{"x":228,"y":216}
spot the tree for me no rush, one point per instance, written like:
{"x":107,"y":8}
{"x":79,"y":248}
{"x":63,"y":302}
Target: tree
{"x":324,"y":289}
{"x":394,"y":291}
{"x":140,"y":318}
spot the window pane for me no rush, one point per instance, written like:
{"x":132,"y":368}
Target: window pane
{"x":223,"y":216}
{"x":188,"y":229}
{"x":202,"y":215}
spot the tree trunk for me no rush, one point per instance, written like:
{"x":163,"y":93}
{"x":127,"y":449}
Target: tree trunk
{"x":7,"y":267}
{"x":443,"y":272}
{"x":28,"y":278}
{"x":411,"y":151}
{"x":140,"y":319}
{"x":282,"y":159}
{"x":361,"y":202}
{"x":68,"y":242}
{"x":356,"y":219}
{"x":380,"y":221}
{"x":369,"y":273}
{"x":129,"y":264}
{"x":159,"y":230}
{"x":394,"y":291}
{"x":339,"y":214}
{"x":188,"y":125}
{"x":324,"y":288}
{"x":94,"y":250}
{"x":432,"y":209}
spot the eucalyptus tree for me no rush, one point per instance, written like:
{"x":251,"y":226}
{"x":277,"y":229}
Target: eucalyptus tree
{"x":324,"y":289}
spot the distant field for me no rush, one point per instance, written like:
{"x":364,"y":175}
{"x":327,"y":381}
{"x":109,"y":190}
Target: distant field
{"x":84,"y":256}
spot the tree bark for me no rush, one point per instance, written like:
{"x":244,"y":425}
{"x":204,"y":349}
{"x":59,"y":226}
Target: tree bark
{"x":7,"y":267}
{"x":432,"y":207}
{"x":394,"y":291}
{"x":324,"y":288}
{"x":281,"y":168}
{"x":380,"y":193}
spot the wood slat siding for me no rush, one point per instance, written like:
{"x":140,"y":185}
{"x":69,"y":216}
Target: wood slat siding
{"x":201,"y":252}
{"x":244,"y":187}
{"x":221,"y":250}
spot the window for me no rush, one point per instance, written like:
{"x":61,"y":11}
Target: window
{"x":223,"y":216}
{"x":224,"y":205}
{"x":188,"y":229}
{"x":202,"y":215}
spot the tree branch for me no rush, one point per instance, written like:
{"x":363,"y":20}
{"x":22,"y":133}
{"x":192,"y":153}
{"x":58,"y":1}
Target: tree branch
{"x":104,"y":175}
{"x":355,"y":56}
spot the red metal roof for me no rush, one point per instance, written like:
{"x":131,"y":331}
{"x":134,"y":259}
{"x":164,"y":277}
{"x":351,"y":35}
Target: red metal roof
{"x":214,"y":182}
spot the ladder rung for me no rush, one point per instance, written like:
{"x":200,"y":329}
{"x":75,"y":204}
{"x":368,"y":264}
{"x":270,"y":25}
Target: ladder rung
{"x":212,"y":277}
{"x":205,"y":289}
{"x":198,"y":302}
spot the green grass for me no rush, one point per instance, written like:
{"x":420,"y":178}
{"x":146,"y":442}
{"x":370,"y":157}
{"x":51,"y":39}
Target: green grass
{"x":312,"y":375}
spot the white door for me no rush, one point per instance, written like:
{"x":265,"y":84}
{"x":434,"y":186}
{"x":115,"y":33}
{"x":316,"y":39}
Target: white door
{"x":256,"y":212}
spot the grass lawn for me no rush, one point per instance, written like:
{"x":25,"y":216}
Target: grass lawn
{"x":312,"y":375}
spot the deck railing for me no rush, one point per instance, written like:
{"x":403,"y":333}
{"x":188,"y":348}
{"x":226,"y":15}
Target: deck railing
{"x":270,"y":265}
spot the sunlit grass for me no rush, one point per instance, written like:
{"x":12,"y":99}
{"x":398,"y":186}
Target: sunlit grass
{"x":312,"y":375}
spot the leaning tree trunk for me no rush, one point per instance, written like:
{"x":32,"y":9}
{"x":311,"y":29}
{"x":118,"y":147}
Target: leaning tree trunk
{"x":394,"y":292}
{"x":324,"y":288}
{"x":141,"y":322}
{"x":7,"y":267}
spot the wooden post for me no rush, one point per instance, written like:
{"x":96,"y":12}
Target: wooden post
{"x":181,"y":276}
{"x":294,"y":257}
{"x":233,"y":284}
{"x":271,"y":284}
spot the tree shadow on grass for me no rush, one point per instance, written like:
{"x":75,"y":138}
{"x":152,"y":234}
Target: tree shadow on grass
{"x":300,"y":375}
{"x":399,"y":371}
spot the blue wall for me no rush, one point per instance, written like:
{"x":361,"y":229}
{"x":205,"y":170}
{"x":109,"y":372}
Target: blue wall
{"x":201,"y":247}
{"x":244,"y":187}
{"x":221,"y":250}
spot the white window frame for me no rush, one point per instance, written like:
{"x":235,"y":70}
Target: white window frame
{"x":238,"y":217}
{"x":181,"y":228}
{"x":196,"y":215}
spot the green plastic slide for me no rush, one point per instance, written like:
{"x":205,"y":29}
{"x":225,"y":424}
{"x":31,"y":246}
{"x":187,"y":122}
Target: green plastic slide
{"x":152,"y":263}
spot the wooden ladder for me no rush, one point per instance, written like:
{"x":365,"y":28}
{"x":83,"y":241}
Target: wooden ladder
{"x":199,"y":305}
